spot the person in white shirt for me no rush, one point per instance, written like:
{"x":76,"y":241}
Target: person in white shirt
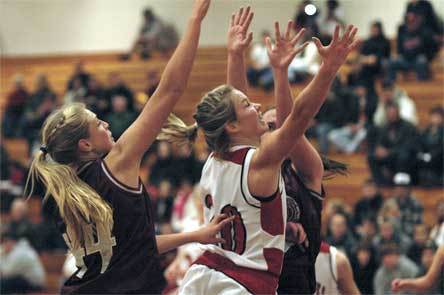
{"x":259,"y":73}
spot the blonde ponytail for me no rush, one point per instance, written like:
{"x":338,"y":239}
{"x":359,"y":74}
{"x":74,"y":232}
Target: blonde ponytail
{"x":79,"y":205}
{"x":177,"y":132}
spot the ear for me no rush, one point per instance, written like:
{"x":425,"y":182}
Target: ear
{"x":84,"y":145}
{"x":232,"y":127}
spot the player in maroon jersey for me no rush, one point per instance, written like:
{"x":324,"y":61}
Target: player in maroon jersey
{"x":94,"y":192}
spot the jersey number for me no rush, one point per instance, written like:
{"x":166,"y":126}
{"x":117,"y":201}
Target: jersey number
{"x":234,"y":233}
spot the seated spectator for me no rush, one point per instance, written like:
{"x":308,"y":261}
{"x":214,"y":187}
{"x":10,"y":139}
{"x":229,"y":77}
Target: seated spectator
{"x":373,"y":53}
{"x":420,"y":238}
{"x":437,"y":231}
{"x":307,"y":62}
{"x":304,"y":20}
{"x":41,"y":103}
{"x":79,"y":74}
{"x":329,"y":117}
{"x":333,"y":16}
{"x":410,"y":208}
{"x":15,"y":106}
{"x":389,"y":234}
{"x":367,"y":231}
{"x":394,"y":265}
{"x":416,"y":48}
{"x":154,"y":35}
{"x":163,"y":167}
{"x":95,"y":99}
{"x":357,"y":119}
{"x":395,"y":148}
{"x":259,"y":72}
{"x":369,"y":203}
{"x":364,"y":266}
{"x":20,"y":267}
{"x":431,"y":150}
{"x":164,"y":204}
{"x":121,"y":117}
{"x":116,"y":86}
{"x":340,"y":235}
{"x":429,"y":19}
{"x":20,"y":223}
{"x":389,"y":92}
{"x":428,"y":250}
{"x":76,"y":93}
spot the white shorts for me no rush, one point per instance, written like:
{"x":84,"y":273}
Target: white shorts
{"x":202,"y":280}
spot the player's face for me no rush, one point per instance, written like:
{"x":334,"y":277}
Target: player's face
{"x":100,"y":136}
{"x":270,"y":118}
{"x":250,"y":123}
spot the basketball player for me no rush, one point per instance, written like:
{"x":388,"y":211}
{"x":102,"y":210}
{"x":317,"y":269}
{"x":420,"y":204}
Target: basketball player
{"x":94,"y":191}
{"x":435,"y":275}
{"x":334,"y":275}
{"x":242,"y":176}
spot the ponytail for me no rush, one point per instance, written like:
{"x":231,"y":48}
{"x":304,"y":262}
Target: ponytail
{"x":177,"y":132}
{"x":332,"y":167}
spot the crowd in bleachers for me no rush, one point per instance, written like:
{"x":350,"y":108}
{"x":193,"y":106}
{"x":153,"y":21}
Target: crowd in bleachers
{"x":365,"y":112}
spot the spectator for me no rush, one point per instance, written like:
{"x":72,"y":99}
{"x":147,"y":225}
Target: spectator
{"x":389,"y":234}
{"x":164,"y":203}
{"x":341,"y":235}
{"x":330,"y":116}
{"x":116,"y":86}
{"x":437,"y":231}
{"x":304,"y":20}
{"x":120,"y":117}
{"x":427,"y":252}
{"x":367,"y":231}
{"x":15,"y":106}
{"x":420,"y":238}
{"x":76,"y":93}
{"x":369,"y":203}
{"x":431,"y":152}
{"x":416,"y":48}
{"x":373,"y":53}
{"x":20,"y":267}
{"x":364,"y":266}
{"x":334,"y":16}
{"x":95,"y":99}
{"x":410,"y":208}
{"x":20,"y":223}
{"x":79,"y":74}
{"x":41,"y":103}
{"x":154,"y":35}
{"x":393,"y":266}
{"x":259,"y":73}
{"x":389,"y":92}
{"x":163,"y":168}
{"x":395,"y":148}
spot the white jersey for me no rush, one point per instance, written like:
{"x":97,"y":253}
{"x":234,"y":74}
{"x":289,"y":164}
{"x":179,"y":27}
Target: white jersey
{"x":254,"y":248}
{"x":326,"y":271}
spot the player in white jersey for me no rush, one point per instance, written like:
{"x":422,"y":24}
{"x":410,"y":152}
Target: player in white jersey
{"x":242,"y":177}
{"x":334,"y":275}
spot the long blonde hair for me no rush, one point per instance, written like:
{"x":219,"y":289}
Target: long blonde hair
{"x":214,"y":111}
{"x":79,"y":205}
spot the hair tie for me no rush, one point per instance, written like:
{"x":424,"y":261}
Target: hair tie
{"x":44,"y":149}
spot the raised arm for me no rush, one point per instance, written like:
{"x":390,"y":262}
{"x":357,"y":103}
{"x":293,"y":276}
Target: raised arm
{"x":303,"y":156}
{"x":124,"y":159}
{"x":278,"y":144}
{"x":238,"y":41}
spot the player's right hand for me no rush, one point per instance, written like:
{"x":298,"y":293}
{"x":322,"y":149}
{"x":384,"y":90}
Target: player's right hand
{"x":200,"y":8}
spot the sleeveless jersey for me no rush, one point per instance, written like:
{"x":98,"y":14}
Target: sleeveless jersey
{"x":326,"y":271}
{"x":298,"y":273}
{"x":254,"y":248}
{"x":121,"y":259}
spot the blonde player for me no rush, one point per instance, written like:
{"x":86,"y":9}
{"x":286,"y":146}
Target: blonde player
{"x":334,"y":275}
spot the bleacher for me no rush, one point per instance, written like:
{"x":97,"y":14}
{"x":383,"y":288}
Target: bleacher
{"x":209,"y":71}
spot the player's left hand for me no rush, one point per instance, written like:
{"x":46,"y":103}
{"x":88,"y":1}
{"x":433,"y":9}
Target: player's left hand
{"x":208,"y":233}
{"x":238,"y":37}
{"x":295,"y":233}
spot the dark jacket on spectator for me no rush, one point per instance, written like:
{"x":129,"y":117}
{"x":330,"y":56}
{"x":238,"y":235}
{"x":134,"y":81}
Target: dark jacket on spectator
{"x":412,"y":44}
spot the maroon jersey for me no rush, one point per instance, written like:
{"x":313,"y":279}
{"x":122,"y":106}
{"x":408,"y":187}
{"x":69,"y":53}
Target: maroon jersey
{"x":123,"y":259}
{"x":298,"y":272}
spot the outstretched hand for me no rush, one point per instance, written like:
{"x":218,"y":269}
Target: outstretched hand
{"x":200,"y":8}
{"x":283,"y":51}
{"x":335,"y":54}
{"x":208,"y":233}
{"x":238,"y":38}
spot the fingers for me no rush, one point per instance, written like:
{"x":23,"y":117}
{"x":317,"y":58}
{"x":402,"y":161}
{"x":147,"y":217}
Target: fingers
{"x":318,"y":44}
{"x":346,"y":35}
{"x":277,"y":32}
{"x":288,"y":31}
{"x":297,"y":37}
{"x":233,"y":17}
{"x":352,"y":35}
{"x":248,"y":39}
{"x":246,"y":25}
{"x":244,"y":16}
{"x":219,"y":240}
{"x":268,"y":44}
{"x":300,"y":48}
{"x":335,"y":34}
{"x":354,"y":45}
{"x":225,"y":221}
{"x":218,"y":218}
{"x":238,"y":16}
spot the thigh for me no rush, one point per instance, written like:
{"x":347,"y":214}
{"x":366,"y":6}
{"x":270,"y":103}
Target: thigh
{"x":200,"y":279}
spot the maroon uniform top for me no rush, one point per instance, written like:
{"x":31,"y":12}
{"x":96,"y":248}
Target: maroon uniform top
{"x":298,"y":272}
{"x":124,"y":260}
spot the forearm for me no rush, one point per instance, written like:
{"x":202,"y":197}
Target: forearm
{"x":169,"y":242}
{"x":236,"y":71}
{"x":282,"y":92}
